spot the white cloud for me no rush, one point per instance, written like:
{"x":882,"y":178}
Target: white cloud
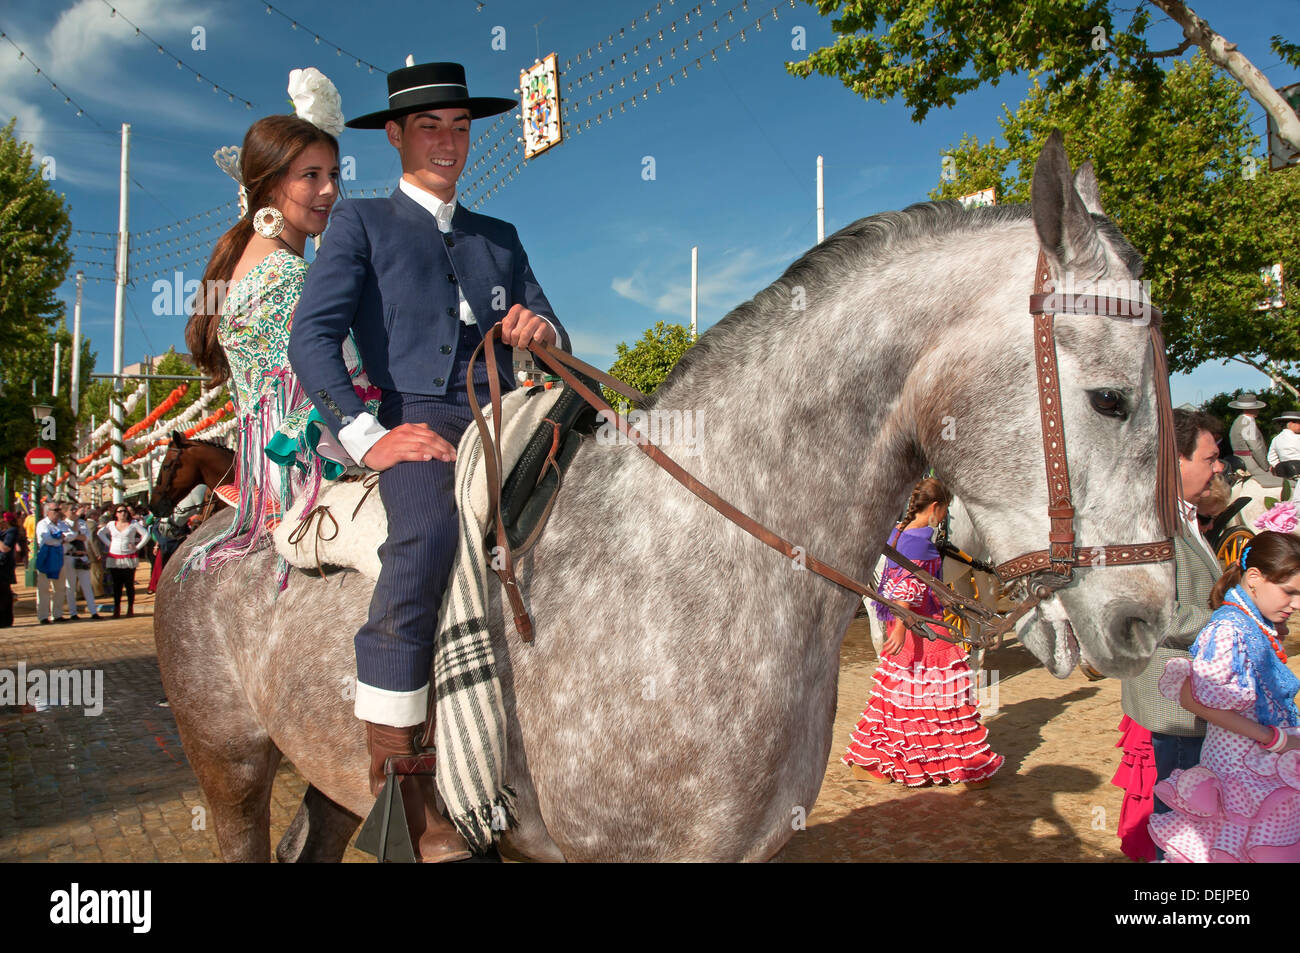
{"x":85,"y":53}
{"x":729,"y":280}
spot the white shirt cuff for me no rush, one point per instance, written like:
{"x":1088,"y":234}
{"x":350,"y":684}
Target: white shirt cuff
{"x":359,"y":436}
{"x":396,"y":709}
{"x":559,"y":342}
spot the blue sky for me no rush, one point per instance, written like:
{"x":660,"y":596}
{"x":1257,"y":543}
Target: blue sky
{"x":734,"y":144}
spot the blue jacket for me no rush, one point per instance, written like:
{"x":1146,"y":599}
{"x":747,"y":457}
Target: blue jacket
{"x":385,"y":272}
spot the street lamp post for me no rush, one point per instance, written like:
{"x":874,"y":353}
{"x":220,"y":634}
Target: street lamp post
{"x":42,"y":414}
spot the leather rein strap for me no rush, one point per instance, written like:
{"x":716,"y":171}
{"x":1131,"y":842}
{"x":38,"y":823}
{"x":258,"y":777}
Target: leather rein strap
{"x":978,"y":616}
{"x":1053,"y":567}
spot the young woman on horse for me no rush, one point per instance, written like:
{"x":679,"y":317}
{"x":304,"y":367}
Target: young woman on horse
{"x":239,"y":331}
{"x":1241,"y":803}
{"x":920,"y":726}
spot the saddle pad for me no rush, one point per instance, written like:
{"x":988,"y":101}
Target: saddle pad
{"x":228,"y":493}
{"x":334,"y":537}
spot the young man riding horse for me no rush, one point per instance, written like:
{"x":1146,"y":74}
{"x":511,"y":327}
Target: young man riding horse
{"x":418,"y":280}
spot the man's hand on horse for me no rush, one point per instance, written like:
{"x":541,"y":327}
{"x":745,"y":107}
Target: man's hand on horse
{"x":520,"y":327}
{"x":408,"y":442}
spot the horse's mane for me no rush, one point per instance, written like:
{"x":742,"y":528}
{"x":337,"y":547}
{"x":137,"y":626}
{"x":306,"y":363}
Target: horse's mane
{"x":210,"y":443}
{"x":872,"y":238}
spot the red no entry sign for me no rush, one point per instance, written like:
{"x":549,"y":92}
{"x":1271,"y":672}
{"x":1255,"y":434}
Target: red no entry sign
{"x":40,"y":461}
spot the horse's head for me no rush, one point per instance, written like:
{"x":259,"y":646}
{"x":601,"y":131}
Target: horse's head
{"x":178,"y":475}
{"x":994,"y":453}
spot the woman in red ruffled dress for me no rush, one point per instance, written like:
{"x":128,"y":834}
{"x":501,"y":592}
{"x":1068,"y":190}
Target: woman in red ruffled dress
{"x":921,"y":725}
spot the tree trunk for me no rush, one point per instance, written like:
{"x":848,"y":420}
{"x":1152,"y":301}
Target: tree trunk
{"x":1226,"y":55}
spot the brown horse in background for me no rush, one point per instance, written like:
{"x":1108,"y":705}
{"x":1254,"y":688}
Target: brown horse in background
{"x":187,"y":464}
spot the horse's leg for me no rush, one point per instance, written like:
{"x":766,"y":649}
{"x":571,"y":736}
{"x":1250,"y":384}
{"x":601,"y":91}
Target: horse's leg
{"x":229,"y":749}
{"x":320,"y":831}
{"x":236,"y":768}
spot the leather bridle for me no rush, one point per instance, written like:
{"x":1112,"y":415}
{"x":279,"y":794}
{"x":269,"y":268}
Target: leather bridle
{"x":1044,"y":570}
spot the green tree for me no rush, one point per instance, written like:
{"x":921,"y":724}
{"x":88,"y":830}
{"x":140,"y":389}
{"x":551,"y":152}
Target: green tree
{"x":34,"y":260}
{"x":1182,"y":184}
{"x":645,"y":364}
{"x":931,"y":51}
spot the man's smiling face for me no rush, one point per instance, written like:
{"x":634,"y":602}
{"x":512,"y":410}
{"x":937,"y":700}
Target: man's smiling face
{"x":433,"y":145}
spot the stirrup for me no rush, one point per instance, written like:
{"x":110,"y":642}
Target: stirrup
{"x":385,"y":833}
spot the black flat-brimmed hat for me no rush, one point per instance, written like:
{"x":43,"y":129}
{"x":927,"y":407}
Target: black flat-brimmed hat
{"x":430,"y":86}
{"x":1289,"y":415}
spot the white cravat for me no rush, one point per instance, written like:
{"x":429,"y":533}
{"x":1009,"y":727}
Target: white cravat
{"x":442,"y":213}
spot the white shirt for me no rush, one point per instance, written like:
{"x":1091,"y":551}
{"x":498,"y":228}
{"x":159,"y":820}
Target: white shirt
{"x":1285,"y":446}
{"x":46,"y":527}
{"x":122,"y":544}
{"x":1193,"y":528}
{"x":364,"y":431}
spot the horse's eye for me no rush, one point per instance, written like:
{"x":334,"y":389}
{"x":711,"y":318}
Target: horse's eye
{"x":1109,"y":403}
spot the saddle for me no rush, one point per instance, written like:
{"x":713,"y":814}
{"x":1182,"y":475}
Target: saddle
{"x":533,"y":485}
{"x":541,"y":432}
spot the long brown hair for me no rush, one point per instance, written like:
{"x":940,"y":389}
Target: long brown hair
{"x":1276,"y":555}
{"x":928,"y":491}
{"x":270,"y":147}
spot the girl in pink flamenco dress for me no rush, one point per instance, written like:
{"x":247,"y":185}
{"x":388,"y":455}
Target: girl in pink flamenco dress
{"x":1241,"y":804}
{"x":921,"y":725}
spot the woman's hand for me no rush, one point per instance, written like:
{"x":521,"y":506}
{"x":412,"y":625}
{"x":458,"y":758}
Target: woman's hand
{"x":894,"y":638}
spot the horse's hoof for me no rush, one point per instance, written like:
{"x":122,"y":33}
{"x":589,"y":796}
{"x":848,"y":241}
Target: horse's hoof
{"x":978,"y":784}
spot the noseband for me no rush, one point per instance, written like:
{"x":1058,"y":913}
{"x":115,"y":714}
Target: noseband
{"x":1045,"y":570}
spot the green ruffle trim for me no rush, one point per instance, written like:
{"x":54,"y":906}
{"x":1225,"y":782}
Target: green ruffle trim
{"x":289,"y":451}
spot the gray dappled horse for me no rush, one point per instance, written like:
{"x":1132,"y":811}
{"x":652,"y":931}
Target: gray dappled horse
{"x":679,"y":697}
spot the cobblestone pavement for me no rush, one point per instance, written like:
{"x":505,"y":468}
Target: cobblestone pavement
{"x":117,"y":787}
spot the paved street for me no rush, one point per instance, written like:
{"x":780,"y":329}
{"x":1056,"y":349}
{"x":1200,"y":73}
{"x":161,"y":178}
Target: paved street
{"x":117,"y":787}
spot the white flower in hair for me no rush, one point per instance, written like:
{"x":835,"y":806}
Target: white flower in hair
{"x":316,"y":100}
{"x":227,"y":160}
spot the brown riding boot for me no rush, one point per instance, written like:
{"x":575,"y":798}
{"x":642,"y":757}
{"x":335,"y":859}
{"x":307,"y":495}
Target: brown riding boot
{"x":434,"y":838}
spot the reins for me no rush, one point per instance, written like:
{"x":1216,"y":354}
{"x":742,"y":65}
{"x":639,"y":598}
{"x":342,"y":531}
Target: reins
{"x":1044,"y":571}
{"x":981,"y":621}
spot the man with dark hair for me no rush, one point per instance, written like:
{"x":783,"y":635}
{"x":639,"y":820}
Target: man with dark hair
{"x":1175,"y":733}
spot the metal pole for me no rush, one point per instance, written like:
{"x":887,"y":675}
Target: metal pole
{"x":695,"y":290}
{"x":76,"y":345}
{"x":821,"y":205}
{"x":54,"y":385}
{"x":119,"y":315}
{"x":148,"y":409}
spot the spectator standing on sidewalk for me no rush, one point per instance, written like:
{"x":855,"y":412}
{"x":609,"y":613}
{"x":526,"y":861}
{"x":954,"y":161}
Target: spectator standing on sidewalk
{"x":49,"y":565}
{"x":124,"y":538}
{"x":9,"y":534}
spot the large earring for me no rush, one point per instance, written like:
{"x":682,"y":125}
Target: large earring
{"x":269,"y":221}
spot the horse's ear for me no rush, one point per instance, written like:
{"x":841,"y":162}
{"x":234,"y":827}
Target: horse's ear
{"x":178,"y":439}
{"x":1064,"y":225}
{"x":1085,"y":183}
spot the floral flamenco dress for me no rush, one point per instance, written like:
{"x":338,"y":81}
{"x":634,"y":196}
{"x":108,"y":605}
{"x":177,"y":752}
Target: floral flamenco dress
{"x":1242,"y":802}
{"x":284,"y":449}
{"x":921,"y":725}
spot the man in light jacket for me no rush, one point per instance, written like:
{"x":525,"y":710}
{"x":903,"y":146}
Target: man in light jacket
{"x":1177,"y":734}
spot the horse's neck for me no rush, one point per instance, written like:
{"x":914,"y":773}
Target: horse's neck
{"x":811,"y":421}
{"x":218,"y":468}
